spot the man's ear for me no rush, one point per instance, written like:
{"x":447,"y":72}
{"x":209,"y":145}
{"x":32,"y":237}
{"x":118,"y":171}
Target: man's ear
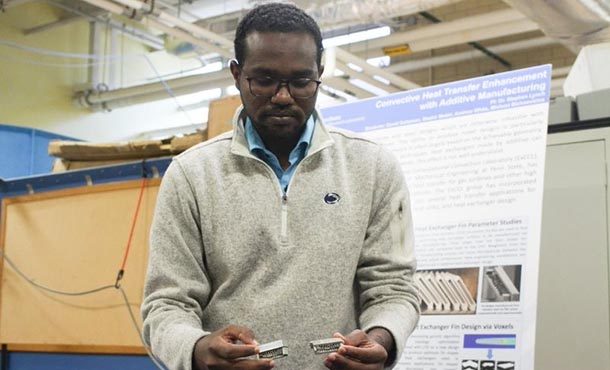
{"x":235,"y":71}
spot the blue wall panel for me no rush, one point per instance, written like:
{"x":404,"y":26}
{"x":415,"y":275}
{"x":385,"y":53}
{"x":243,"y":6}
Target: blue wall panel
{"x":59,"y":361}
{"x":23,"y":151}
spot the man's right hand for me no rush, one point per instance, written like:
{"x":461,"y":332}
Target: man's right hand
{"x":227,"y":349}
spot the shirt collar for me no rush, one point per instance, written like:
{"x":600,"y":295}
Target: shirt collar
{"x":255,"y":142}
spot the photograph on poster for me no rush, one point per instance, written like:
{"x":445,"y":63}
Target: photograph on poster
{"x":487,"y":365}
{"x":501,"y":283}
{"x":448,"y":291}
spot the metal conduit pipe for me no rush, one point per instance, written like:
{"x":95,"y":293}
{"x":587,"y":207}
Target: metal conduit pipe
{"x":146,"y":98}
{"x":100,"y":100}
{"x":168,"y":24}
{"x":148,"y":10}
{"x":340,"y":13}
{"x":575,"y":23}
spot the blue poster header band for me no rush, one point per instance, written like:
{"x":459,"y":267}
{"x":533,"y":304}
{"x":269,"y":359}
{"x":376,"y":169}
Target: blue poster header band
{"x":478,"y":95}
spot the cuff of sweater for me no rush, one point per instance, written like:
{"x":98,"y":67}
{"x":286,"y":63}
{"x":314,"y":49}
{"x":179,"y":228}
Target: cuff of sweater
{"x":399,"y":320}
{"x":176,"y":351}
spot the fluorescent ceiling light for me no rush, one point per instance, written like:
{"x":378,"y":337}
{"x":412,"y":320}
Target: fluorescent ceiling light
{"x":199,"y":96}
{"x":382,"y":80}
{"x":354,"y":67}
{"x":209,"y":68}
{"x":368,"y":87}
{"x":380,"y":62}
{"x":232,"y":90}
{"x":337,"y":93}
{"x":350,"y":38}
{"x":199,"y":114}
{"x":326,"y":100}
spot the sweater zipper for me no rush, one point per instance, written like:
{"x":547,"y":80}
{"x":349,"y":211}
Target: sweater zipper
{"x":284,"y":211}
{"x":284,"y":206}
{"x":284,"y":220}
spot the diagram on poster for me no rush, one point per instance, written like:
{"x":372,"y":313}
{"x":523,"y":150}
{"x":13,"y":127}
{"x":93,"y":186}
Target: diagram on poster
{"x":473,"y":155}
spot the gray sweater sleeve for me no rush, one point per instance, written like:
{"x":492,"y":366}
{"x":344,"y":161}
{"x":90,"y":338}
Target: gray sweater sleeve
{"x":177,"y":287}
{"x":388,"y":296}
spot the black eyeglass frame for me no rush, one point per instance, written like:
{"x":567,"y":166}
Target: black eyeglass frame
{"x":286,"y":82}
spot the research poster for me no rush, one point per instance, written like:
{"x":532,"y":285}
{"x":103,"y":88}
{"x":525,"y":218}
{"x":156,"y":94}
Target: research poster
{"x":473,"y":155}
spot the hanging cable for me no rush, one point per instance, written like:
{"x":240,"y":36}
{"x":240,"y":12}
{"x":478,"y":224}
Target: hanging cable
{"x":60,"y":54}
{"x":47,"y":289}
{"x":133,"y":227}
{"x":116,"y":285}
{"x":31,"y":281}
{"x":169,"y":90}
{"x":153,"y":358}
{"x":16,"y":59}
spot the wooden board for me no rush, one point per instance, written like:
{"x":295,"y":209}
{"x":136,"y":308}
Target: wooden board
{"x":74,"y":240}
{"x":220,"y":118}
{"x":131,"y":150}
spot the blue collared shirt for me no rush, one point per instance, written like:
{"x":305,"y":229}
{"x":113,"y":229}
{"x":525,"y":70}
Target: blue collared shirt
{"x":257,"y":148}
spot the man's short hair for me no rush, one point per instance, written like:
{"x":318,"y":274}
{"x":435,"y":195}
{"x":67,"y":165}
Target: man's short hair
{"x":276,"y":17}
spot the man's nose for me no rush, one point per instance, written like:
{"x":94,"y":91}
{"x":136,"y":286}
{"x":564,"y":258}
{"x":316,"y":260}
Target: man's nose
{"x":282,"y":95}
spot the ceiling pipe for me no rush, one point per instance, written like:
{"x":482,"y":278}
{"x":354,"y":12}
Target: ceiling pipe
{"x":575,"y":23}
{"x":143,"y":37}
{"x":154,"y":19}
{"x":149,"y":11}
{"x":175,"y":32}
{"x":110,"y":105}
{"x":104,"y":100}
{"x":7,"y":4}
{"x":341,"y":13}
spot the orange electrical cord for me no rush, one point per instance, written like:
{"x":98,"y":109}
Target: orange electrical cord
{"x":133,"y":227}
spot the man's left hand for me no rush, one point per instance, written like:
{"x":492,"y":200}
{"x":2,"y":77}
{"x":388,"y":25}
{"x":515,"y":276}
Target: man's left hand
{"x":362,"y":351}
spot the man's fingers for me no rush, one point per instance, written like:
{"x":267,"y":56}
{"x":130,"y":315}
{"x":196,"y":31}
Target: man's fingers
{"x":337,"y":362}
{"x":340,"y":336}
{"x":230,"y":351}
{"x":367,"y":355}
{"x":232,"y":342}
{"x":356,"y":338}
{"x":247,"y":364}
{"x":240,"y":333}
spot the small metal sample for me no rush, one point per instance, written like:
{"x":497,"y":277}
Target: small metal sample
{"x":272,"y":350}
{"x":326,"y":345}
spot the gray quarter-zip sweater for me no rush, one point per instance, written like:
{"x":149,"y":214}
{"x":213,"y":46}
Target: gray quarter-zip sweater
{"x":334,"y":254}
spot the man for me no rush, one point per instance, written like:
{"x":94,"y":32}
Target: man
{"x":283,"y":229}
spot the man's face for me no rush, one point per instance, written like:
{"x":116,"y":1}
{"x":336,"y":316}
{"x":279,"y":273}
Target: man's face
{"x":279,"y":56}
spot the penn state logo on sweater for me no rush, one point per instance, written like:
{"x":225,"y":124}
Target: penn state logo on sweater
{"x":332,"y":198}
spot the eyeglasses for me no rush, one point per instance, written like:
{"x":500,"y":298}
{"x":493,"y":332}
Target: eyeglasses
{"x":267,"y":87}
